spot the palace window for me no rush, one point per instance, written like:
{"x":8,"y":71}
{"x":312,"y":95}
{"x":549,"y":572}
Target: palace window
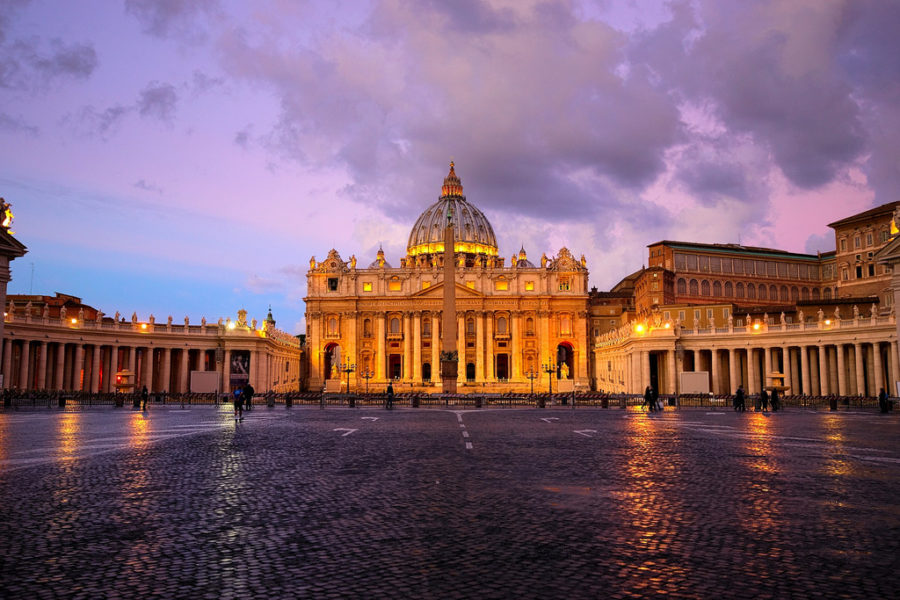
{"x":729,"y":289}
{"x":843,"y":244}
{"x":859,"y":272}
{"x":470,"y":285}
{"x":885,"y":235}
{"x":367,"y":286}
{"x":564,"y":284}
{"x":751,"y":291}
{"x":332,"y":326}
{"x":868,"y":239}
{"x":871,"y":270}
{"x":529,"y":286}
{"x":795,"y":294}
{"x":565,"y":325}
{"x":784,"y":293}
{"x":694,"y":287}
{"x":704,"y":288}
{"x":426,"y":285}
{"x":395,"y":325}
{"x":739,"y":290}
{"x":502,"y":285}
{"x":529,"y":326}
{"x":666,"y":315}
{"x":681,"y":316}
{"x":717,"y":288}
{"x":682,"y":286}
{"x":426,"y":328}
{"x":804,"y":293}
{"x":470,"y":327}
{"x":857,"y":242}
{"x":332,"y":284}
{"x":394,"y":284}
{"x":367,"y":328}
{"x":501,"y":325}
{"x":763,"y":292}
{"x":709,"y":314}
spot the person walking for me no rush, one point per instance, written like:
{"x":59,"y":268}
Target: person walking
{"x":239,"y":404}
{"x":248,"y":396}
{"x":648,"y":399}
{"x":740,"y":399}
{"x":773,"y":398}
{"x":389,"y":401}
{"x":145,"y":395}
{"x":764,"y":400}
{"x":883,"y":401}
{"x":656,"y":403}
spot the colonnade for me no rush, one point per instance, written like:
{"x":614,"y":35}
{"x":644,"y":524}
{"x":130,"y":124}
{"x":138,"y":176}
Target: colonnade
{"x":826,"y":367}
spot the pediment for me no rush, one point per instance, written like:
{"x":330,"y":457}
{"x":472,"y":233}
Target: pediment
{"x":10,"y":246}
{"x":890,"y":253}
{"x":437,"y":291}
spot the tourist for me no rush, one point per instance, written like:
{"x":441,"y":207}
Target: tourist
{"x":389,"y":401}
{"x":773,"y":398}
{"x":764,"y":400}
{"x":248,"y":396}
{"x":883,"y":401}
{"x":740,"y":399}
{"x":239,"y":404}
{"x":648,"y":399}
{"x":145,"y":395}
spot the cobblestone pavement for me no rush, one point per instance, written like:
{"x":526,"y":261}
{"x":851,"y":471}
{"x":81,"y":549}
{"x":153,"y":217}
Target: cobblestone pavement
{"x":448,"y":504}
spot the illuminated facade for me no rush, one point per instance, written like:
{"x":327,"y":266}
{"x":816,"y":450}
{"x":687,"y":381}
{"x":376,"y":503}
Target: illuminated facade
{"x":512,"y":319}
{"x":59,"y":343}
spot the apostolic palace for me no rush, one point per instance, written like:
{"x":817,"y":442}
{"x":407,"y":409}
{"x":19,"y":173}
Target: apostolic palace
{"x":697,"y":318}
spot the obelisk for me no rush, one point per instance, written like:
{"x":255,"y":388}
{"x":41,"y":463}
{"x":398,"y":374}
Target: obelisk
{"x":449,"y":354}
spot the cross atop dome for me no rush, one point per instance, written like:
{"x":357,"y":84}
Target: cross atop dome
{"x":452,"y":184}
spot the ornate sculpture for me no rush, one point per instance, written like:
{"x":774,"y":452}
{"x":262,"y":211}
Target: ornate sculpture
{"x":186,"y":321}
{"x":352,"y":261}
{"x":81,"y":314}
{"x":203,"y":321}
{"x":45,"y":314}
{"x":312,"y":263}
{"x":855,"y":312}
{"x":837,"y":313}
{"x":544,"y":260}
{"x":118,"y":316}
{"x":783,"y":319}
{"x":874,"y":310}
{"x":242,"y":318}
{"x":820,"y":315}
{"x":169,"y":321}
{"x":253,"y":324}
{"x":134,"y":318}
{"x":62,"y":312}
{"x":99,"y":316}
{"x":801,"y":317}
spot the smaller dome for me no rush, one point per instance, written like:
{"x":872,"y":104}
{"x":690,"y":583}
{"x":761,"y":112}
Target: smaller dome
{"x":522,"y":260}
{"x":379,"y":260}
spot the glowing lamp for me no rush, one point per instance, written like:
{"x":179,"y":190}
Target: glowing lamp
{"x":639,"y":328}
{"x":231,"y":325}
{"x":828,"y":321}
{"x":667,"y":325}
{"x":143,"y":326}
{"x":756,"y":326}
{"x":74,"y":320}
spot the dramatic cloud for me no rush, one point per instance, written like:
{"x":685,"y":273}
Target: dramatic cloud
{"x":165,"y":18}
{"x":158,"y":100}
{"x":25,"y":64}
{"x":90,"y":122}
{"x":10,"y":124}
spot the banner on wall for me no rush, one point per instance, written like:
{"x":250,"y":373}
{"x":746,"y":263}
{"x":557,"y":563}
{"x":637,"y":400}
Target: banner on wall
{"x":240,"y":367}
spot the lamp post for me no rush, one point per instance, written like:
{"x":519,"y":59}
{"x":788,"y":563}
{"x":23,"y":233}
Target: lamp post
{"x":532,"y":375}
{"x":367,"y":375}
{"x":549,"y":369}
{"x":348,"y":368}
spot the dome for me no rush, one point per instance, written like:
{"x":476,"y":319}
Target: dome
{"x":473,"y":233}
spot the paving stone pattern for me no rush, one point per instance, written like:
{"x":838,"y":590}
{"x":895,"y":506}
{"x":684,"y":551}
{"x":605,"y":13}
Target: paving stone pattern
{"x":545,"y":504}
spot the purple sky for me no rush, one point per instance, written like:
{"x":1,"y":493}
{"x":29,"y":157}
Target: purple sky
{"x":187,"y":157}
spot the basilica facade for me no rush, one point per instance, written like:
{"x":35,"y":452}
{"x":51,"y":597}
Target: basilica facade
{"x":519,"y":323}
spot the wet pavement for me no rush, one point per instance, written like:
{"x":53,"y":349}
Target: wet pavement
{"x":448,"y":504}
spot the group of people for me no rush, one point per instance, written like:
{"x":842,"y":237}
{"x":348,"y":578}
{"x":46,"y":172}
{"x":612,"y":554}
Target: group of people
{"x":651,"y":399}
{"x":243,"y":397}
{"x":762,"y":403}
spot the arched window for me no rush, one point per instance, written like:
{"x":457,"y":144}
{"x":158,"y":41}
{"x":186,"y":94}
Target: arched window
{"x":704,"y":288}
{"x":367,"y":328}
{"x":795,"y":294}
{"x":695,"y":289}
{"x":815,"y":293}
{"x":332,"y":326}
{"x":827,"y":293}
{"x":395,"y":325}
{"x":565,"y":324}
{"x":529,"y":326}
{"x":784,"y":293}
{"x":729,"y":290}
{"x":739,"y":290}
{"x":501,"y":325}
{"x":773,"y":292}
{"x":682,"y":286}
{"x":426,"y":328}
{"x":717,"y":288}
{"x":751,"y":291}
{"x":470,"y":326}
{"x":804,"y":294}
{"x":763,"y":292}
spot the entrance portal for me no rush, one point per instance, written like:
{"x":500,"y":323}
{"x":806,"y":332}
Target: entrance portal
{"x":503,"y":366}
{"x":395,"y":366}
{"x":565,"y":356}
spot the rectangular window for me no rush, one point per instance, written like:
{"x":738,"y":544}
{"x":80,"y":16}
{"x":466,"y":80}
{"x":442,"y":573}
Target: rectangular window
{"x":868,"y":239}
{"x":501,"y":286}
{"x":394,"y":285}
{"x":859,"y":272}
{"x":845,"y":274}
{"x":871,"y":270}
{"x":332,"y":284}
{"x":470,"y":285}
{"x":843,"y":245}
{"x":782,"y":269}
{"x":771,"y":269}
{"x":857,"y":242}
{"x":426,"y":285}
{"x":795,"y":268}
{"x":680,"y":262}
{"x":529,"y":286}
{"x":697,"y":315}
{"x":715,"y":264}
{"x":709,"y":314}
{"x":655,"y":300}
{"x":748,"y":267}
{"x":655,"y":285}
{"x":691,"y":262}
{"x":367,"y":286}
{"x":726,"y":265}
{"x":884,"y":236}
{"x":704,"y":264}
{"x":738,"y":266}
{"x":564,"y":284}
{"x":725,"y":313}
{"x":760,"y":267}
{"x":666,"y":315}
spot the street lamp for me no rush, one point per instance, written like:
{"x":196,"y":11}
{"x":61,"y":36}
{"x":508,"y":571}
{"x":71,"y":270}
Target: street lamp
{"x":532,"y":375}
{"x":348,"y":368}
{"x":550,"y":368}
{"x":367,"y":375}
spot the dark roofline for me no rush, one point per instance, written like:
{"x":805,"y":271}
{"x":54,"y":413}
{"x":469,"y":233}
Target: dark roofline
{"x":735,"y":249}
{"x":884,"y":209}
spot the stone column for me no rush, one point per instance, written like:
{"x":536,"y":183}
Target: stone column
{"x":860,"y":374}
{"x":132,"y":364}
{"x":147,"y":368}
{"x":7,"y":363}
{"x":515,"y":372}
{"x":380,"y":358}
{"x":461,"y":347}
{"x":841,"y":370}
{"x":823,"y":371}
{"x":752,"y":379}
{"x":813,"y":370}
{"x":480,"y":367}
{"x":645,"y":369}
{"x":185,"y":370}
{"x":60,"y":366}
{"x":767,"y":365}
{"x":878,"y":368}
{"x":166,"y":370}
{"x":110,"y":383}
{"x":407,"y":347}
{"x":78,"y":368}
{"x":733,"y":379}
{"x":417,"y":346}
{"x":96,"y":358}
{"x":226,"y":372}
{"x":786,"y":368}
{"x":435,"y":349}
{"x":489,"y":358}
{"x":42,"y":367}
{"x":545,"y":354}
{"x":895,"y":369}
{"x":804,"y":370}
{"x":256,"y":368}
{"x":582,"y":337}
{"x":670,"y":367}
{"x":714,"y":368}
